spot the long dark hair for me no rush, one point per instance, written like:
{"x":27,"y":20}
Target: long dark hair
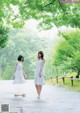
{"x":42,"y":55}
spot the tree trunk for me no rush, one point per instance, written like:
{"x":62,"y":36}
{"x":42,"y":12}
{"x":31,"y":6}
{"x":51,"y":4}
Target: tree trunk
{"x":77,"y":76}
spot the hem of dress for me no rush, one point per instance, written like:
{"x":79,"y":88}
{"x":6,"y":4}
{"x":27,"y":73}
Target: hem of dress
{"x":39,"y":84}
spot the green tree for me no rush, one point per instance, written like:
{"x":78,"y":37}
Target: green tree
{"x":76,"y":63}
{"x":68,"y":51}
{"x":4,"y":31}
{"x":48,"y":12}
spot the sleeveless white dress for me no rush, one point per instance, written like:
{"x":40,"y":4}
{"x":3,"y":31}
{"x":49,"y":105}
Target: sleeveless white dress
{"x":19,"y":87}
{"x":37,"y":79}
{"x":19,"y":78}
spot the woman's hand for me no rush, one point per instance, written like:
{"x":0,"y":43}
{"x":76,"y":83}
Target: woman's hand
{"x":25,"y":74}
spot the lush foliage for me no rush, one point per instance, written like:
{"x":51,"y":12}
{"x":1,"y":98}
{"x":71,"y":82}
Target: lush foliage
{"x":48,"y":12}
{"x":68,"y":51}
{"x":3,"y":35}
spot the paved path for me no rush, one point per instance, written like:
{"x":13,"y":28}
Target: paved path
{"x":53,"y":99}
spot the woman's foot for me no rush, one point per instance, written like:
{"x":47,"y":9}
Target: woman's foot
{"x":38,"y":96}
{"x":23,"y":95}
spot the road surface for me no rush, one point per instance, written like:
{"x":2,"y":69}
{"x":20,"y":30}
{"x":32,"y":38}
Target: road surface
{"x":53,"y":99}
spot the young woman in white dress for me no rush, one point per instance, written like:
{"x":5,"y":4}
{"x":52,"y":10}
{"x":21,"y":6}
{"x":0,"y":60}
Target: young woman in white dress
{"x":39,"y":73}
{"x":19,"y":77}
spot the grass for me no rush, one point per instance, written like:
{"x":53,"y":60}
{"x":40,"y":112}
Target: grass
{"x":67,"y":85}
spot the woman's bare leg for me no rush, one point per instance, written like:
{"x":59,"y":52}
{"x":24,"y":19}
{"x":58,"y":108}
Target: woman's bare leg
{"x":38,"y":88}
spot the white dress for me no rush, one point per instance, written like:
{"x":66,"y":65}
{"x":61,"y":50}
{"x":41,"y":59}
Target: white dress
{"x":37,"y":79}
{"x":19,"y":87}
{"x":19,"y":78}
